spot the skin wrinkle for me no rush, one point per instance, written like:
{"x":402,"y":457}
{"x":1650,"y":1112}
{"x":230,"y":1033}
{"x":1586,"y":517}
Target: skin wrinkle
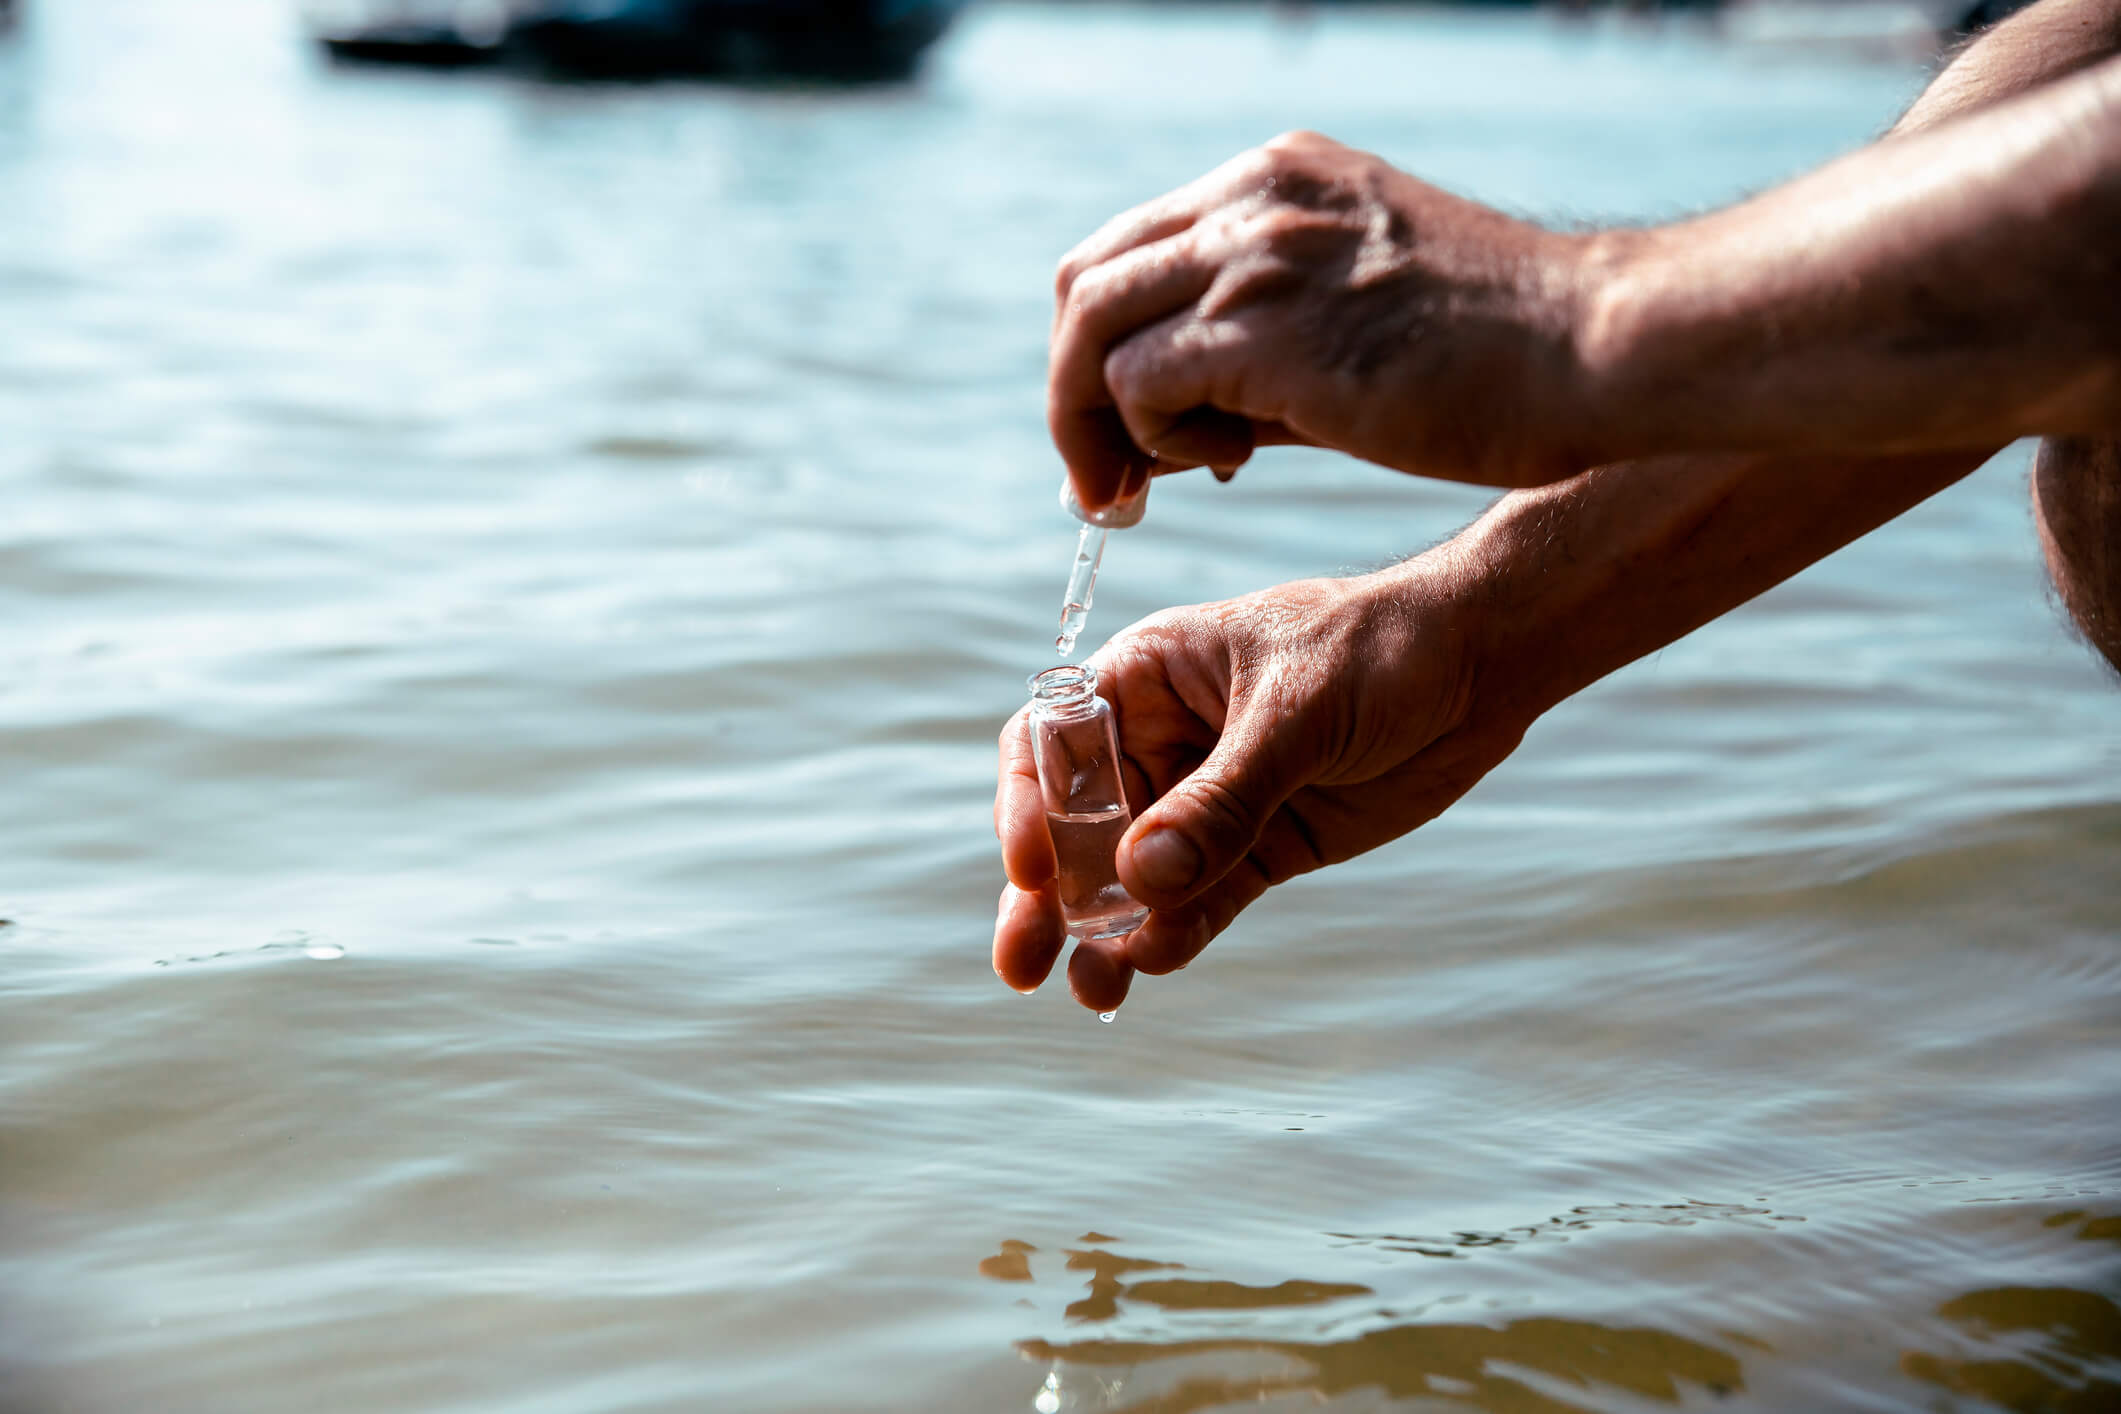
{"x":1303,"y":831}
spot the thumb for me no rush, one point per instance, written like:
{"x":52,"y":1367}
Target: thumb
{"x":1207,"y":823}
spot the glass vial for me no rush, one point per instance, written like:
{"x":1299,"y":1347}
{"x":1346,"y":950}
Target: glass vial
{"x":1077,"y":751}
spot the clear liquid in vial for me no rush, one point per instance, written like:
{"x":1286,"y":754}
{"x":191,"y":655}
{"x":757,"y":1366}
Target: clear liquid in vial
{"x":1093,"y":901}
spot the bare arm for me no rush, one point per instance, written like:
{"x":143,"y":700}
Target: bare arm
{"x":1590,"y":574}
{"x":1305,"y":724}
{"x":1273,"y":753}
{"x":1584,"y":576}
{"x":1953,"y":285}
{"x":1956,"y":287}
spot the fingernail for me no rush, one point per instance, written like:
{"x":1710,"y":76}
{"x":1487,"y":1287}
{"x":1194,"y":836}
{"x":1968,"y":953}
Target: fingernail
{"x":1166,"y":861}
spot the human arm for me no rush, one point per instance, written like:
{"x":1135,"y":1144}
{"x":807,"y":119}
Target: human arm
{"x":1309,"y":723}
{"x":1958,"y":286}
{"x":1955,"y":287}
{"x":1550,"y":590}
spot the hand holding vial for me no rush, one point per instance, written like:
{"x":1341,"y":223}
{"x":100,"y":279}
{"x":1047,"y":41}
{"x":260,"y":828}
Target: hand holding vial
{"x":1257,"y":739}
{"x":1077,"y":751}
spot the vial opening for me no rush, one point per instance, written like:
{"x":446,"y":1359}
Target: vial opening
{"x":1068,"y":683}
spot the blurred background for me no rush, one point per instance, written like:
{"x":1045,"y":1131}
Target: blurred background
{"x":521,"y":525}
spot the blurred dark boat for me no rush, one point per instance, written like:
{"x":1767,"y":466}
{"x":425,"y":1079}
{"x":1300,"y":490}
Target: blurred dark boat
{"x":830,"y":39}
{"x":1903,"y":29}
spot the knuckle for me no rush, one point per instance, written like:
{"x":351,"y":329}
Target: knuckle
{"x":1278,"y":228}
{"x":1066,"y":273}
{"x":1261,"y":163}
{"x":1248,"y":284}
{"x":1144,"y":648}
{"x":1298,"y":142}
{"x":1228,"y":814}
{"x":1261,"y":230}
{"x":1293,"y":245}
{"x":1124,"y":653}
{"x":1247,"y":162}
{"x":1091,"y":290}
{"x":1127,"y":372}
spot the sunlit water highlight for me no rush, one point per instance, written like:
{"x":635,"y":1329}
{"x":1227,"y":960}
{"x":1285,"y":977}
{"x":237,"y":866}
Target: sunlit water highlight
{"x":509,"y":592}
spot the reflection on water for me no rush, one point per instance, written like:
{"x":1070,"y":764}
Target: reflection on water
{"x":1580,"y":1219}
{"x":2047,"y":1349}
{"x":506,"y":597}
{"x":2039,"y":1350}
{"x":2033,"y":1350}
{"x":1529,"y":1364}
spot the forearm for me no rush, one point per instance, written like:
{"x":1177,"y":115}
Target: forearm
{"x":1954,"y":287}
{"x":1569,"y":582}
{"x":1563,"y":584}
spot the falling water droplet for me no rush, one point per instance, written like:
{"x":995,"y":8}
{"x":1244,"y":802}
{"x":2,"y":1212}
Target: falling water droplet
{"x":324,"y":952}
{"x":1106,"y":1016}
{"x":1048,"y":1399}
{"x":1072,"y":619}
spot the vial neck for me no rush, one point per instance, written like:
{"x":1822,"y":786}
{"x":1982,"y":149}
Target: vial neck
{"x":1066,"y":691}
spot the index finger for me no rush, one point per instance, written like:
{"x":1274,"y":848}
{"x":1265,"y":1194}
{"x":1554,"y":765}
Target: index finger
{"x":1151,"y":221}
{"x":1020,"y":810}
{"x":1167,"y":215}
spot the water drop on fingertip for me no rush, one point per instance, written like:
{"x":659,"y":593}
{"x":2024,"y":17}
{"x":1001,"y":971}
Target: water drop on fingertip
{"x":1106,"y":1016}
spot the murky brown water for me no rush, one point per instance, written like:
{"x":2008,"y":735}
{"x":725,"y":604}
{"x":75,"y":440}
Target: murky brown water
{"x":505,"y":598}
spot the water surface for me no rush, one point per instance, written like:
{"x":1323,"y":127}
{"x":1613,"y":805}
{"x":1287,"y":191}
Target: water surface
{"x":505,"y":599}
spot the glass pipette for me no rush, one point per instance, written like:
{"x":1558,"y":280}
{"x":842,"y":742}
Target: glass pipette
{"x":1082,"y":583}
{"x":1089,"y":553}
